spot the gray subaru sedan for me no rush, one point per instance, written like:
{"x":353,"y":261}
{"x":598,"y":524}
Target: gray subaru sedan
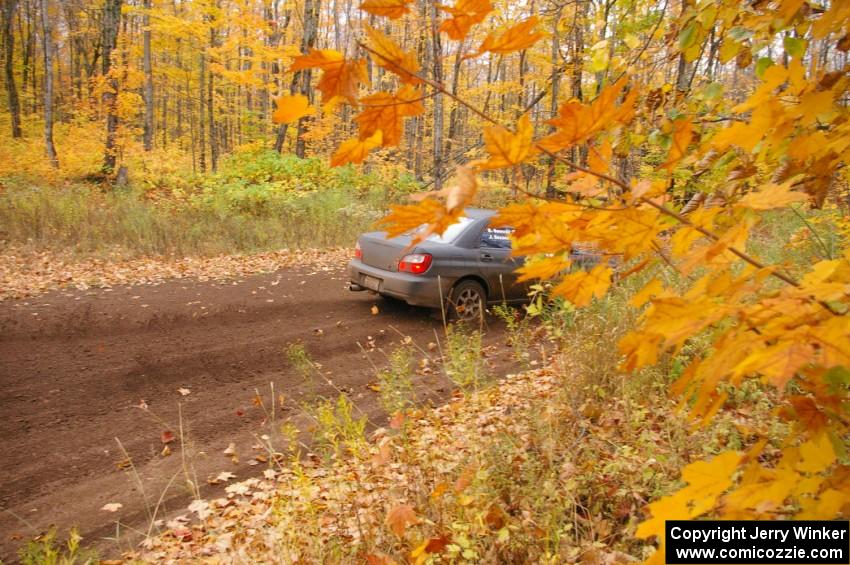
{"x":467,"y":267}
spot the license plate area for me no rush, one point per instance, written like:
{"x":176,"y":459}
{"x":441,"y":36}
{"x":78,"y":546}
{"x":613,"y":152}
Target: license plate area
{"x":372,"y":283}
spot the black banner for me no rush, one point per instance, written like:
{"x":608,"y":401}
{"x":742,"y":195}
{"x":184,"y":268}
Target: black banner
{"x":762,"y":542}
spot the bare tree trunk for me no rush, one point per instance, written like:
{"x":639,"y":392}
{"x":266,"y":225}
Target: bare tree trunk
{"x":308,"y":41}
{"x":437,"y":48}
{"x":684,"y":71}
{"x":111,"y":21}
{"x":47,"y":45}
{"x":211,"y":107}
{"x":148,"y":70}
{"x":454,"y":114}
{"x":202,"y":73}
{"x":9,"y":67}
{"x":282,"y":129}
{"x":553,"y":102}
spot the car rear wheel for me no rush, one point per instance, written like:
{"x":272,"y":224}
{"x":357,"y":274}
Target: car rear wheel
{"x":467,"y":301}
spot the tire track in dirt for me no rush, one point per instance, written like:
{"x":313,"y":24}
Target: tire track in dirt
{"x":75,"y":366}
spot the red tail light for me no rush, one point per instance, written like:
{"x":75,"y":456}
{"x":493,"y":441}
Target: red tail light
{"x":416,"y":263}
{"x":358,"y":253}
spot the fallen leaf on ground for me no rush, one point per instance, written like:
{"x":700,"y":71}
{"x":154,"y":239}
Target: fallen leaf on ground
{"x":201,"y":508}
{"x":400,"y":517}
{"x":222,"y":477}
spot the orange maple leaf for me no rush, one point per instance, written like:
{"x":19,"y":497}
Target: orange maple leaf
{"x":458,"y":194}
{"x":291,"y":108}
{"x":808,"y":414}
{"x":431,"y":214}
{"x":355,"y":150}
{"x":388,"y":54}
{"x":386,"y":111}
{"x":465,"y":14}
{"x":507,"y":149}
{"x":340,"y":76}
{"x":380,"y":559}
{"x":400,"y":517}
{"x":577,"y":122}
{"x":392,"y":9}
{"x":519,"y":37}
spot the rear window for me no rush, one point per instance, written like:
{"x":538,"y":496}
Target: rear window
{"x":452,"y":232}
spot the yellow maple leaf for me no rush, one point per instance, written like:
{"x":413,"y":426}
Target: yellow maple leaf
{"x":507,"y":149}
{"x":772,"y":196}
{"x":831,"y":338}
{"x":816,"y":454}
{"x":707,"y":480}
{"x":650,"y":289}
{"x":355,"y":150}
{"x":516,"y":38}
{"x":388,"y":54}
{"x":544,"y":267}
{"x":677,"y":319}
{"x":778,"y":362}
{"x":682,"y":133}
{"x":291,"y":108}
{"x":761,"y":491}
{"x":340,"y":76}
{"x":581,"y":287}
{"x":386,"y":111}
{"x":392,"y":9}
{"x":813,"y":104}
{"x":640,"y":348}
{"x":826,"y":506}
{"x":465,"y":14}
{"x":673,"y":507}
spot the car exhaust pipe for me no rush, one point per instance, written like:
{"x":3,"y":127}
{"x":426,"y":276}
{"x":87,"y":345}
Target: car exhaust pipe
{"x":354,"y":287}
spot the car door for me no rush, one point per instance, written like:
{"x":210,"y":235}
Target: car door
{"x":498,"y":266}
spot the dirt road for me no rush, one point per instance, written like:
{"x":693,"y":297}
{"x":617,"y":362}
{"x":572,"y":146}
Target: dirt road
{"x":76,"y":366}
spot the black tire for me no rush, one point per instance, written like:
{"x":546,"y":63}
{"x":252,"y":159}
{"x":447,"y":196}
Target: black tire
{"x":467,"y":301}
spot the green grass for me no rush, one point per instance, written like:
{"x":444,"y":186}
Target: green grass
{"x":86,"y":221}
{"x":257,"y":202}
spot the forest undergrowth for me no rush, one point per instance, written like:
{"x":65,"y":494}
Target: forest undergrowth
{"x":555,"y":464}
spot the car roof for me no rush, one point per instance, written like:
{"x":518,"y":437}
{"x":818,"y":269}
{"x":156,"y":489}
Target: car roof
{"x":479,"y":213}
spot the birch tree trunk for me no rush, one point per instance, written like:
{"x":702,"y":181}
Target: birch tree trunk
{"x":148,"y":70}
{"x":47,"y":46}
{"x":437,"y":61}
{"x":556,"y":91}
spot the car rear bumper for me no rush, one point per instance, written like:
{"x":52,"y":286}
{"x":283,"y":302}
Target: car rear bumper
{"x":418,"y":290}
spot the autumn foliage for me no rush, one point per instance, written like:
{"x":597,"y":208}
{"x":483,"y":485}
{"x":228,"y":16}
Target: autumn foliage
{"x":664,"y":136}
{"x":784,"y":145}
